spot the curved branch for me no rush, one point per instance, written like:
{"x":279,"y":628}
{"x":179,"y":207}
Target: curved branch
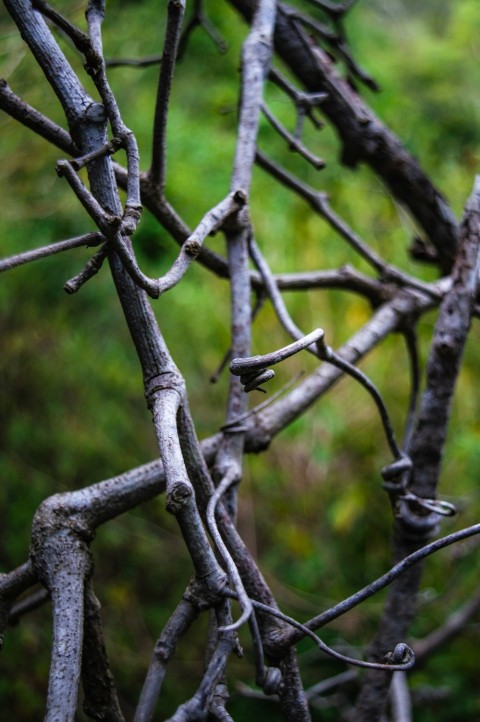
{"x":385,"y":580}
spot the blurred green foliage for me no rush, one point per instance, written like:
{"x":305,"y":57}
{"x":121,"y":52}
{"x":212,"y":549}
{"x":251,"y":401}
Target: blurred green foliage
{"x":72,"y":410}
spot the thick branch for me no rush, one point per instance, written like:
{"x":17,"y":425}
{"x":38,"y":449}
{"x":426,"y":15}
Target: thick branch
{"x":101,"y":701}
{"x":62,"y":561}
{"x":31,"y":118}
{"x":256,"y":54}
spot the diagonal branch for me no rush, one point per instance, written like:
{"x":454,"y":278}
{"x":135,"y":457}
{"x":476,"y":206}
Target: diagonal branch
{"x":454,"y":625}
{"x":89,"y":239}
{"x":36,"y":121}
{"x":182,"y":618}
{"x":364,"y":138}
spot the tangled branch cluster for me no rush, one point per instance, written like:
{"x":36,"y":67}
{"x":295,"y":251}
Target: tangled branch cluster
{"x":201,"y":481}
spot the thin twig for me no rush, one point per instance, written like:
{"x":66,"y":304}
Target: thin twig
{"x":196,"y":707}
{"x":400,"y":659}
{"x":179,"y":622}
{"x":200,"y":19}
{"x":191,"y":248}
{"x":209,"y":224}
{"x":230,"y":565}
{"x":263,"y":405}
{"x":28,"y":604}
{"x":157,"y":173}
{"x":91,"y":268}
{"x":293,"y":142}
{"x":385,"y":580}
{"x":122,"y":135}
{"x":79,"y":38}
{"x":326,"y":684}
{"x":455,"y":624}
{"x":319,"y":202}
{"x":273,"y":292}
{"x":304,"y":102}
{"x":329,"y":355}
{"x":337,"y":42}
{"x":105,"y":221}
{"x":89,"y":239}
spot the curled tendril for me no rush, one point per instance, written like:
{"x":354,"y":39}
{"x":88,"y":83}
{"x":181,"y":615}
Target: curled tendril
{"x":273,"y":681}
{"x":401,"y":659}
{"x":254,"y":370}
{"x":245,"y":603}
{"x":396,"y":477}
{"x":402,"y":654}
{"x":253,"y":381}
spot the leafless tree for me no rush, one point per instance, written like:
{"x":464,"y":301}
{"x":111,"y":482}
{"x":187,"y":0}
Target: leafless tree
{"x":201,"y":480}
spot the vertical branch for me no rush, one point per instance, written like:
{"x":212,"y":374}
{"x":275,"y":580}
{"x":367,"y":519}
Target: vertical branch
{"x":101,"y":701}
{"x":97,"y":69}
{"x":163,"y":383}
{"x":412,"y":528}
{"x":157,"y":171}
{"x":256,"y":55}
{"x":67,"y":593}
{"x":181,"y":500}
{"x":62,"y":560}
{"x":446,"y":354}
{"x":255,"y":63}
{"x":400,"y":694}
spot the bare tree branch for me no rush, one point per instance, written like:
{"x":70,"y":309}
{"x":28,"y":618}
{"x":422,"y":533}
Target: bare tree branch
{"x":363,"y":136}
{"x":412,"y":525}
{"x":157,"y":172}
{"x":201,"y":480}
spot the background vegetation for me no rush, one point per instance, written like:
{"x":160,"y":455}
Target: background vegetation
{"x":72,"y":411}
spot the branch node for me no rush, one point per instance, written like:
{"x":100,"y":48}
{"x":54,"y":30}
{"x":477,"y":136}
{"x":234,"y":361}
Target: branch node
{"x":253,"y":370}
{"x":178,"y":496}
{"x":131,"y":219}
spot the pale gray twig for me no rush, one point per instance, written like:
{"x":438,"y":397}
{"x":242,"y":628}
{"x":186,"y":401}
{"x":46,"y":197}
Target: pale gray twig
{"x":89,"y":239}
{"x":230,"y":565}
{"x":400,"y":697}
